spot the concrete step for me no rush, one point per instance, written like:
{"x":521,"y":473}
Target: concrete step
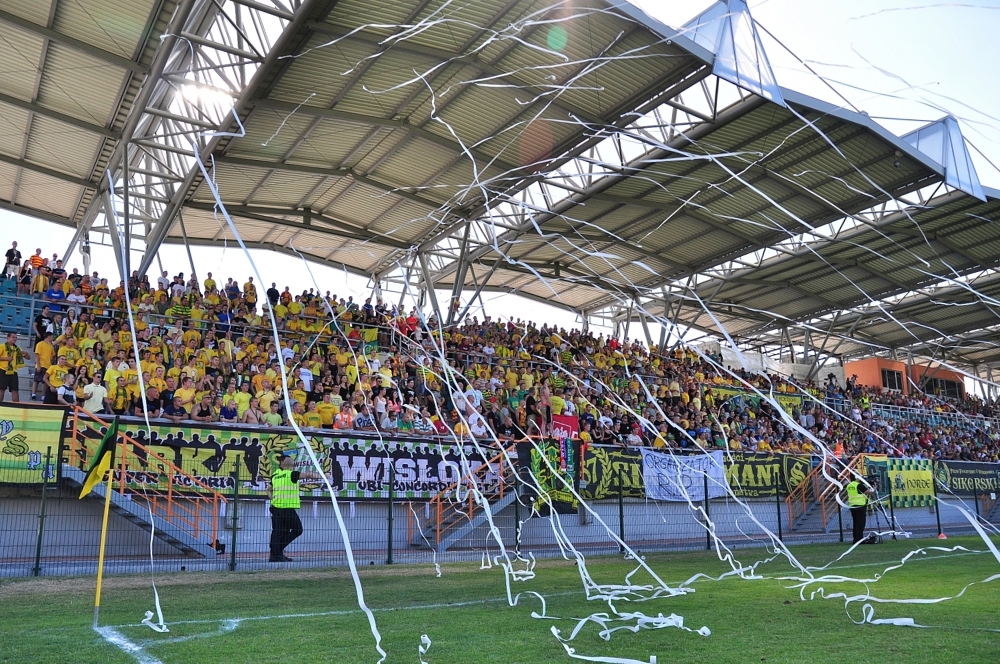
{"x":455,"y":534}
{"x":135,"y":512}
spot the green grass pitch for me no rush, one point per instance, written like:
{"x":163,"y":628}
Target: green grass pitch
{"x":257,"y":617}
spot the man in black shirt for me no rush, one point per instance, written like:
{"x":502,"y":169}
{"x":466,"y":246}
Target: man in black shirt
{"x":153,"y":404}
{"x":43,"y":322}
{"x":58,"y":272}
{"x":273,"y":294}
{"x":13,"y":262}
{"x":508,"y":430}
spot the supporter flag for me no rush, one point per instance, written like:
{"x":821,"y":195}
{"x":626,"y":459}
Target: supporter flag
{"x":103,"y":460}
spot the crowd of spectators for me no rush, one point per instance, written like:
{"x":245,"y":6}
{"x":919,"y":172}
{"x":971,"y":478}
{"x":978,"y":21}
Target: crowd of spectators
{"x":207,"y":354}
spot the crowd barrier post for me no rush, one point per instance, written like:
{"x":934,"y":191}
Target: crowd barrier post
{"x":388,"y":542}
{"x":777,"y":504}
{"x":37,"y":569}
{"x":235,"y":514}
{"x":621,"y":512}
{"x":840,"y":519}
{"x":708,"y":521}
{"x":975,"y":499}
{"x":517,"y":514}
{"x":937,"y":506}
{"x":892,"y":513}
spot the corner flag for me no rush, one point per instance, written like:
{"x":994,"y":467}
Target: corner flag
{"x":103,"y":460}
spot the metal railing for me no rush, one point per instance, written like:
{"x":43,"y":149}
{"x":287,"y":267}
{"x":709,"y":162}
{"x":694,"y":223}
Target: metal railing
{"x":817,"y":491}
{"x":460,"y":501}
{"x":197,"y":514}
{"x":932,"y":417}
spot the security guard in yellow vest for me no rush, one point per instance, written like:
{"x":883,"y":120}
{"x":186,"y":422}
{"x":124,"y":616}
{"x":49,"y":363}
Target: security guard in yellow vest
{"x":284,"y":494}
{"x":857,"y":500}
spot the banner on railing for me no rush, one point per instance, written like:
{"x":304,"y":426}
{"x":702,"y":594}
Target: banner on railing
{"x":748,"y":475}
{"x":603,"y":469}
{"x":911,"y":481}
{"x":739,"y":398}
{"x":565,"y":426}
{"x":553,"y":465}
{"x":968,"y":478}
{"x":683,"y":478}
{"x":760,"y":475}
{"x":26,"y":432}
{"x":358,"y":467}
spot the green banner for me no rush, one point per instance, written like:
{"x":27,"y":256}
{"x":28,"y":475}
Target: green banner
{"x":552,"y":473}
{"x":358,"y":467}
{"x":968,"y":478}
{"x":739,"y":398}
{"x":604,"y":467}
{"x":26,"y":433}
{"x":748,"y":475}
{"x":910,"y":481}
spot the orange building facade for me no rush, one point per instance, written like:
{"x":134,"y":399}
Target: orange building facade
{"x":892,"y":374}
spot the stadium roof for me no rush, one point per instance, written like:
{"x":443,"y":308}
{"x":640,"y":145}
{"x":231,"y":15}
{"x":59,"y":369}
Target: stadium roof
{"x":586,"y":156}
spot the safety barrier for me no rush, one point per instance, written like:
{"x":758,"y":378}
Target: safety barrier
{"x":190,"y":514}
{"x":458,"y":505}
{"x":816,"y":491}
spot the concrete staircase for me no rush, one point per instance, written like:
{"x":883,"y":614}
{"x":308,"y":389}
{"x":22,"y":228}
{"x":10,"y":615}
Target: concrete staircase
{"x":456,"y":524}
{"x":455,"y":513}
{"x":136,"y":512}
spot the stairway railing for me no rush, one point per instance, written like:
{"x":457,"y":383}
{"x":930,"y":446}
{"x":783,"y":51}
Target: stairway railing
{"x":459,"y":499}
{"x":194,"y":511}
{"x":828,"y":503}
{"x":817,"y":488}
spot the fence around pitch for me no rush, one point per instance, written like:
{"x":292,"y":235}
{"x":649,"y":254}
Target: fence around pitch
{"x":46,"y":529}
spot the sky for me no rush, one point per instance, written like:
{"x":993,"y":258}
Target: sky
{"x":904,"y":64}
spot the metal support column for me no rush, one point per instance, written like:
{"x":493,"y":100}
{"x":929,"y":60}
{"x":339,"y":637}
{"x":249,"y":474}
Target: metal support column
{"x":645,"y":325}
{"x":187,"y":245}
{"x":127,"y":222}
{"x":429,"y":287}
{"x":666,"y":317}
{"x":116,"y":244}
{"x":459,"y":285}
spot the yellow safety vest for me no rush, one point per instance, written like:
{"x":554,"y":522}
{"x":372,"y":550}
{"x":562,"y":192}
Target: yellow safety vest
{"x":284,"y":492}
{"x":854,"y":497}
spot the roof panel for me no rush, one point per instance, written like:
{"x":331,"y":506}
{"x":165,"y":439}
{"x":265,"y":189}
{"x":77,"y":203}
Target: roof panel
{"x":114,"y":27}
{"x":60,"y":147}
{"x":48,"y":194}
{"x":79,"y":85}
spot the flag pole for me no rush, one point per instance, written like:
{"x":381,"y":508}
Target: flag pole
{"x":104,"y":539}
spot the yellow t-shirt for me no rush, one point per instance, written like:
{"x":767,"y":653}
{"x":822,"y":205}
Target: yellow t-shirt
{"x":45,"y":354}
{"x":327,"y":411}
{"x":57,"y":375}
{"x":187,"y":397}
{"x":242,"y":400}
{"x":558,"y":404}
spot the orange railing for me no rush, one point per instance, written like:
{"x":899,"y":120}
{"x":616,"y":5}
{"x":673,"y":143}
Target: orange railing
{"x":194,"y":510}
{"x":816,"y":488}
{"x":458,"y":502}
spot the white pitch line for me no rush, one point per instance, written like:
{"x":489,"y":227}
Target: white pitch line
{"x":347,"y":612}
{"x":117,"y":639}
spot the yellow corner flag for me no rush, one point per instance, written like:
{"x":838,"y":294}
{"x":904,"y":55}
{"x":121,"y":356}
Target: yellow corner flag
{"x":103,"y":460}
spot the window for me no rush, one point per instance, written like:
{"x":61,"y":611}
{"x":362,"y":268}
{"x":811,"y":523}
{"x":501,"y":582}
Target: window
{"x":892,"y":380}
{"x":943,"y":388}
